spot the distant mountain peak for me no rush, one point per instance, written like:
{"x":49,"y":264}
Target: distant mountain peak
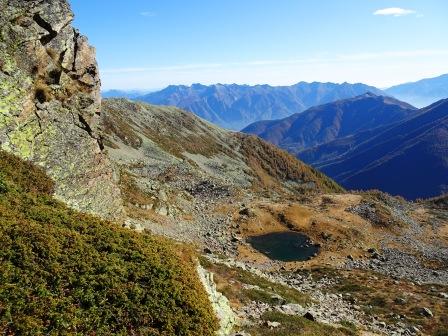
{"x":407,"y":158}
{"x":380,"y":98}
{"x":422,"y":93}
{"x":236,"y":106}
{"x":324,"y":123}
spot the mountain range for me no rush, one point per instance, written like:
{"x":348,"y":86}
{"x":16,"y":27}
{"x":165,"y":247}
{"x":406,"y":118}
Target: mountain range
{"x":423,"y":92}
{"x":236,"y":106}
{"x":408,"y":158}
{"x":331,"y":121}
{"x":369,"y":142}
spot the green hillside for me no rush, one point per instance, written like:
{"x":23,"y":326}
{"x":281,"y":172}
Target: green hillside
{"x":67,"y":273}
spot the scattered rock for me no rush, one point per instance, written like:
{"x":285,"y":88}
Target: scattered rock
{"x":246,"y":212}
{"x":426,"y":312}
{"x":414,"y":329}
{"x":400,"y":301}
{"x":278,"y":300}
{"x":309,"y":316}
{"x":382,"y":325}
{"x":291,"y":309}
{"x":376,"y":255}
{"x":326,"y":236}
{"x":209,"y":190}
{"x":272,"y":325}
{"x":235,"y":239}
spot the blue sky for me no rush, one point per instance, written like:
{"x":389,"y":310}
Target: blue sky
{"x":149,"y":44}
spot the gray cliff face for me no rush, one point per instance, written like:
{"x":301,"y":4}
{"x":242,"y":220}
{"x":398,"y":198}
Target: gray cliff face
{"x":50,"y":103}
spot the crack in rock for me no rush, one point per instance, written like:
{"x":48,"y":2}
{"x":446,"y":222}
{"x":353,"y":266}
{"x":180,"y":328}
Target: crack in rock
{"x":45,"y":25}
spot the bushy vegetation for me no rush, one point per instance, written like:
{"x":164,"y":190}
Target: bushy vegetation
{"x":67,"y":273}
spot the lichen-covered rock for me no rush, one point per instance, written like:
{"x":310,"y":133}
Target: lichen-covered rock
{"x":50,"y":102}
{"x":221,"y":306}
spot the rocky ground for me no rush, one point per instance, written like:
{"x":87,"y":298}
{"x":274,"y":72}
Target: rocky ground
{"x":382,"y":267}
{"x":325,"y":306}
{"x":398,"y":257}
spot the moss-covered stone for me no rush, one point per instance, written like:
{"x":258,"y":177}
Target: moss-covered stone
{"x":22,"y":140}
{"x":11,"y":93}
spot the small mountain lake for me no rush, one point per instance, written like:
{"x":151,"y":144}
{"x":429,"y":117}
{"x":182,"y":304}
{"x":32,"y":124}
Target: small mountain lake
{"x":284,"y":246}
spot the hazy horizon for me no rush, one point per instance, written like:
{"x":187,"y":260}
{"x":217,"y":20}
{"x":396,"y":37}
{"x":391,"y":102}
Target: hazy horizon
{"x":148,"y":90}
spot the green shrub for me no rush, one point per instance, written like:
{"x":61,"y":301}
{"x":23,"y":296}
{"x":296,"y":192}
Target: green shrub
{"x":3,"y":186}
{"x":67,"y":273}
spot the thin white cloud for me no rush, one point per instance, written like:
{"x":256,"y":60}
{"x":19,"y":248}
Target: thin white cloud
{"x":394,"y":11}
{"x":340,"y":58}
{"x":148,"y":14}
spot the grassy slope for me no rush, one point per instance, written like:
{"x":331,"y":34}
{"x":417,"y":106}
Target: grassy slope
{"x":64,"y":272}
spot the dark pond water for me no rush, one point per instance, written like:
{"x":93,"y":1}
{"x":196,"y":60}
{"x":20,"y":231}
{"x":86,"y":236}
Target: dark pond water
{"x":284,"y":246}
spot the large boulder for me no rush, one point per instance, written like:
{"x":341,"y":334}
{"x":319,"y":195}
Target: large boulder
{"x":50,"y":103}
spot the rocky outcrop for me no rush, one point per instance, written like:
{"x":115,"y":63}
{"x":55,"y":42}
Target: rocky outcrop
{"x":221,"y":305}
{"x":50,"y":102}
